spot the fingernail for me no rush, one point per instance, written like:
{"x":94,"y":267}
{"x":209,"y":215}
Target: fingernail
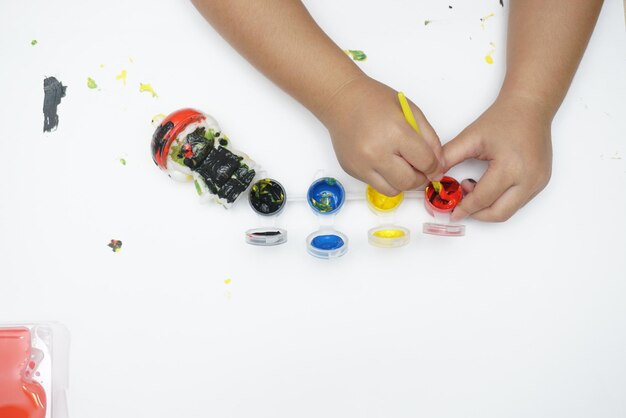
{"x":472,"y":181}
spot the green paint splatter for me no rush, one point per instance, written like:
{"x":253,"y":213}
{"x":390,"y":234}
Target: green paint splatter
{"x":91,"y":83}
{"x":147,"y":87}
{"x":198,"y":188}
{"x":33,"y":42}
{"x":356,"y":54}
{"x":176,"y":154}
{"x":427,"y":22}
{"x":122,"y":161}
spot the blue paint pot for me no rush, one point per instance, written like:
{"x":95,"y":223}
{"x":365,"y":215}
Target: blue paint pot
{"x":326,"y":195}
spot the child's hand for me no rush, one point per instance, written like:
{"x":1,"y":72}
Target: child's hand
{"x":374,"y":142}
{"x":513,"y":135}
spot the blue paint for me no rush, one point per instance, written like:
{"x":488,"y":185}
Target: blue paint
{"x":327,"y":242}
{"x":326,"y":195}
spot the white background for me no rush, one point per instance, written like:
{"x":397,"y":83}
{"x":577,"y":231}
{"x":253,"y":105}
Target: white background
{"x":521,"y":319}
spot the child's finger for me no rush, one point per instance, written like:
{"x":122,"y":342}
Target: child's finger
{"x":400,"y":174}
{"x":491,"y":186}
{"x":428,"y":133}
{"x":381,"y":185}
{"x":468,"y":185}
{"x":420,"y":155}
{"x":463,"y":147}
{"x":503,"y":208}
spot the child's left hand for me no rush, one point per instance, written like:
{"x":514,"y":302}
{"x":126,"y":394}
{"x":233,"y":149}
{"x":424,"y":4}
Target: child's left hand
{"x":513,"y":135}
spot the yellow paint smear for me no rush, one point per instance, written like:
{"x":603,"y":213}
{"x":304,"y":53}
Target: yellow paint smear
{"x":121,"y":76}
{"x":227,"y":281}
{"x":489,"y":57}
{"x":147,"y":87}
{"x":484,"y":19}
{"x":389,"y":233}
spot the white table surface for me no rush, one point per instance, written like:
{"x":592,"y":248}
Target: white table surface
{"x":521,"y":319}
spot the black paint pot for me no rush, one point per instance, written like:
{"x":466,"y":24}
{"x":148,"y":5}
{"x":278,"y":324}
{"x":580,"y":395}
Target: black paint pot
{"x":267,"y":197}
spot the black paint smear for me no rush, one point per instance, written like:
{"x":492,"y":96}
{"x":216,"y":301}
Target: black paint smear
{"x":158,"y":139}
{"x":196,"y":148}
{"x":502,"y":3}
{"x":266,"y":234}
{"x":115,"y":245}
{"x":54,"y":91}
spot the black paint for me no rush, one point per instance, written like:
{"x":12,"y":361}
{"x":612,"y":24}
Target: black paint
{"x":54,"y":91}
{"x":158,"y":139}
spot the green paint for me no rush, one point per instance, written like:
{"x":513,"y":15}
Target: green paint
{"x":122,"y":161}
{"x":175,"y":153}
{"x":356,"y":54}
{"x":91,"y":83}
{"x":210,"y":134}
{"x":198,"y":188}
{"x":33,"y":42}
{"x":427,"y":22}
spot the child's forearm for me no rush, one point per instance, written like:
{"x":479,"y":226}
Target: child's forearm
{"x":546,"y":40}
{"x":280,"y":38}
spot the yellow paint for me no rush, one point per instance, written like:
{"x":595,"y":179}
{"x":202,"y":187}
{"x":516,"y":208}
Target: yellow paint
{"x":389,"y":233}
{"x":489,"y":57}
{"x":147,"y":87}
{"x":484,"y":19}
{"x":381,"y":202}
{"x":227,"y":281}
{"x":101,"y":65}
{"x":131,"y":60}
{"x":408,"y":115}
{"x":122,"y":76}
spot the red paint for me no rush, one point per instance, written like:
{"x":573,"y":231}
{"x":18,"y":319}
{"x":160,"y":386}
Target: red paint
{"x":181,"y":119}
{"x":20,"y":397}
{"x":447,"y":199}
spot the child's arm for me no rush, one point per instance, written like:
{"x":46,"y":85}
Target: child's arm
{"x":372,"y":140}
{"x":546,"y":40}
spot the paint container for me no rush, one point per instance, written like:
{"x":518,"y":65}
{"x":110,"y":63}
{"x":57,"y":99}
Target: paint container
{"x":440,"y":205}
{"x":267,"y":198}
{"x":33,"y":370}
{"x":387,"y":234}
{"x":326,"y":196}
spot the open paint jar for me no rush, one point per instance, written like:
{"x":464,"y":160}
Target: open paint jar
{"x":326,"y":196}
{"x":387,"y":234}
{"x":267,"y":198}
{"x":440,"y":204}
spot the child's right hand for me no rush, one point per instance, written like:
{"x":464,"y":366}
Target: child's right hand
{"x":375,"y":144}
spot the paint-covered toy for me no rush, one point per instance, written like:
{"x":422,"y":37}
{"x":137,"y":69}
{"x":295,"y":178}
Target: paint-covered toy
{"x":189,"y":144}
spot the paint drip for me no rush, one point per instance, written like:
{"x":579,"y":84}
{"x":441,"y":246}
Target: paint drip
{"x":54,"y":91}
{"x":356,"y":54}
{"x":147,"y":87}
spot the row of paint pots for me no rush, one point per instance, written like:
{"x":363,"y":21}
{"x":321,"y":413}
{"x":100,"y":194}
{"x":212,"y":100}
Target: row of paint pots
{"x":326,"y":196}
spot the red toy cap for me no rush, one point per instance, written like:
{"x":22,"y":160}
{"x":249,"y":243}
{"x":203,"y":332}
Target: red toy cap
{"x":168,"y":130}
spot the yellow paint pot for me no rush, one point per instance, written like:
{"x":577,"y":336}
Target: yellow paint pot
{"x":388,"y":236}
{"x":379,"y":202}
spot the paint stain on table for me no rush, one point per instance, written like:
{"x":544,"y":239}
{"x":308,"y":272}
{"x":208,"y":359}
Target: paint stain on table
{"x":122,"y":76}
{"x":91,"y":83}
{"x":489,"y":56}
{"x":54,"y":91}
{"x":147,"y":87}
{"x":115,"y":245}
